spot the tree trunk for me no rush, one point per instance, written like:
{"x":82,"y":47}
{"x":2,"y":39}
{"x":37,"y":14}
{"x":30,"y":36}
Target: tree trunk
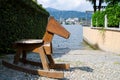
{"x":113,"y":2}
{"x":94,"y":2}
{"x":99,"y":7}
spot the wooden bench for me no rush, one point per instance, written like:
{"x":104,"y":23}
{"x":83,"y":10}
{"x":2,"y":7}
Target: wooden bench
{"x":44,"y":48}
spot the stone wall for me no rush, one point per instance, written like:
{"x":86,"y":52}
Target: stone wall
{"x":104,"y":39}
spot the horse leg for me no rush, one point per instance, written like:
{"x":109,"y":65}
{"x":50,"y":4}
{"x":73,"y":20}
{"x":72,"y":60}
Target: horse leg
{"x":43,"y":58}
{"x":17,"y":56}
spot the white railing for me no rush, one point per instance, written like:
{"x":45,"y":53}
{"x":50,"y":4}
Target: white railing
{"x":105,"y":23}
{"x":119,"y":25}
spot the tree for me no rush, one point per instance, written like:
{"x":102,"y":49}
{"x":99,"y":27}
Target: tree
{"x":112,"y":2}
{"x":99,"y":6}
{"x":94,"y":4}
{"x":35,"y":1}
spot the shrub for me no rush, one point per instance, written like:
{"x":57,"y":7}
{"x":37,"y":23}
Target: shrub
{"x":94,"y":18}
{"x":113,"y":14}
{"x":98,"y":19}
{"x":20,"y":19}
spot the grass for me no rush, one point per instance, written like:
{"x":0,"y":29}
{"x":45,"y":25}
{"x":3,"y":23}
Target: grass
{"x":60,"y":60}
{"x":117,"y":62}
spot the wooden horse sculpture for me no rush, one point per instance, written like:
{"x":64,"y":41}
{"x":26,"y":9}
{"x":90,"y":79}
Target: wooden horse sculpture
{"x":44,"y":48}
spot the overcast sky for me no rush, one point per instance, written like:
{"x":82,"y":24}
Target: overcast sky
{"x":76,"y":5}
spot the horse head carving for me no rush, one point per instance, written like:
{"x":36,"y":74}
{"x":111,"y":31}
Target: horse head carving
{"x":54,"y":27}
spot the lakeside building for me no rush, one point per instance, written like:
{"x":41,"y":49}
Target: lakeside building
{"x":70,"y":21}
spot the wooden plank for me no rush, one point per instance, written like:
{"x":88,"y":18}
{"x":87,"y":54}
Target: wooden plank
{"x":43,"y":58}
{"x":56,"y":28}
{"x":44,"y":73}
{"x":24,"y":56}
{"x":51,"y":66}
{"x":50,"y":58}
{"x":17,"y":56}
{"x":48,"y":48}
{"x":48,"y":37}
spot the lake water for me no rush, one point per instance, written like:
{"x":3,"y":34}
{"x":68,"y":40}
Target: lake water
{"x":74,"y":42}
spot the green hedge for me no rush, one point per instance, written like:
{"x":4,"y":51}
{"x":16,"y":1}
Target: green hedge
{"x":20,"y":19}
{"x":98,"y":19}
{"x":94,"y":19}
{"x":113,"y":15}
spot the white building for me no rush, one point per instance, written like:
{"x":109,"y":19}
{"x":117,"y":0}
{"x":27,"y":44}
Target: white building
{"x":72,"y":21}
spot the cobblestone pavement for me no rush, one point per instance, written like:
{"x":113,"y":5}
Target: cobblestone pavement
{"x":84,"y":65}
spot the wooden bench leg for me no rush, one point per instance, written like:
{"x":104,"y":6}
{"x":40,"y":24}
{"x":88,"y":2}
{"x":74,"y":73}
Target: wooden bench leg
{"x":24,"y":56}
{"x":53,"y":65}
{"x":43,"y":59}
{"x":17,"y":56}
{"x":51,"y":61}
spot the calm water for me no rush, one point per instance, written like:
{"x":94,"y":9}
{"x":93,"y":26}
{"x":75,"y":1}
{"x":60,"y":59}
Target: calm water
{"x":75,"y":40}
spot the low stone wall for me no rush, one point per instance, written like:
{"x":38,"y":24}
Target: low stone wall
{"x":104,"y":39}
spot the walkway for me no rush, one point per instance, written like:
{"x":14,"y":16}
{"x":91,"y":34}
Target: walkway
{"x":85,"y":65}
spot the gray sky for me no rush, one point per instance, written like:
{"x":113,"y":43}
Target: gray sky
{"x":76,"y":5}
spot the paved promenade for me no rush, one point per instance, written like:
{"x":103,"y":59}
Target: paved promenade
{"x":85,"y":65}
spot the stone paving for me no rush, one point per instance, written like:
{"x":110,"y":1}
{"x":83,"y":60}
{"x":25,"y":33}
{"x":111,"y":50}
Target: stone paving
{"x":84,"y":65}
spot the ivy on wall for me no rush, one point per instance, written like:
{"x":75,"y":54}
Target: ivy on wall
{"x":20,"y":19}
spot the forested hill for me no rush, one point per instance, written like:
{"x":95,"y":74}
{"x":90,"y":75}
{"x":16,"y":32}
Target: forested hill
{"x":67,"y":14}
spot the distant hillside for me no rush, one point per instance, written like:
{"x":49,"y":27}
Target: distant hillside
{"x":67,"y":14}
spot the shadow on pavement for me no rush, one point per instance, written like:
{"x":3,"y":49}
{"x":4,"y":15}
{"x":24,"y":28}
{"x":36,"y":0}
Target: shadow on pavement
{"x":84,"y":68}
